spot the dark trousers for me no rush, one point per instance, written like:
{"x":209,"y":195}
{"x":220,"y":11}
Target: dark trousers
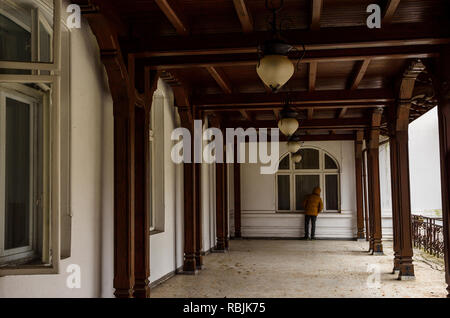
{"x":311,"y":218}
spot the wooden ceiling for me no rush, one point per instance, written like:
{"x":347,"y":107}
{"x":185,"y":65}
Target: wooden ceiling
{"x":209,"y":46}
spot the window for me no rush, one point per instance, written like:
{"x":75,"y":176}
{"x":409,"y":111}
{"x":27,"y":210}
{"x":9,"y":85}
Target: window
{"x":294,"y":181}
{"x":34,"y":143}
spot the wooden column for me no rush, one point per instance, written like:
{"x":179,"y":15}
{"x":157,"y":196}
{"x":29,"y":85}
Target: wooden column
{"x":359,"y":185}
{"x":225,"y":204}
{"x":366,"y":212}
{"x":237,"y":199}
{"x":443,"y":88}
{"x":374,"y":184}
{"x":142,"y":188}
{"x":401,"y":201}
{"x":220,"y":215}
{"x":197,"y":205}
{"x":190,"y":223}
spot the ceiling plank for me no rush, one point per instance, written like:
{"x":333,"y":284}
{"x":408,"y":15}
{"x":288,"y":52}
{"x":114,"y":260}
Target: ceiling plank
{"x":389,"y":11}
{"x":175,"y":18}
{"x":316,"y":8}
{"x":312,"y":76}
{"x":359,"y":74}
{"x":379,"y":95}
{"x":221,"y":78}
{"x":244,"y":15}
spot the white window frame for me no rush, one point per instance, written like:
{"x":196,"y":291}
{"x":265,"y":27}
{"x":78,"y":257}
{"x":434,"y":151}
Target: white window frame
{"x":321,"y":172}
{"x":54,"y":152}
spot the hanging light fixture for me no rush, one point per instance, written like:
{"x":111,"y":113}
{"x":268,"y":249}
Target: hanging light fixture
{"x":294,"y":144}
{"x":297,"y":157}
{"x":288,"y":123}
{"x":274,"y":66}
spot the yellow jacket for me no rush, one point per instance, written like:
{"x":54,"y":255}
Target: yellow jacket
{"x":313,"y":203}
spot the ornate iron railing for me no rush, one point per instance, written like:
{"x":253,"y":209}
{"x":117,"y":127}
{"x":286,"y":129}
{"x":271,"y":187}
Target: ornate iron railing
{"x":428,"y":234}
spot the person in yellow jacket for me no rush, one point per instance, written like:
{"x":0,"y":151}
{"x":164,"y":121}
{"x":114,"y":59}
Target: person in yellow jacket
{"x":313,"y":205}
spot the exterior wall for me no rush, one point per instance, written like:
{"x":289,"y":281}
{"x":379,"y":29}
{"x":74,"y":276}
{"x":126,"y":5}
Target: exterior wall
{"x":91,"y":170}
{"x":259,"y":216}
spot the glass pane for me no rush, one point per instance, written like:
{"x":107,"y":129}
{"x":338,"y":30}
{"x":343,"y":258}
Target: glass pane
{"x":17,"y":185}
{"x":284,"y":191}
{"x":284,"y":164}
{"x":304,"y":185}
{"x":310,"y":159}
{"x":44,"y":44}
{"x":15,"y":44}
{"x":329,"y":163}
{"x":331,"y":189}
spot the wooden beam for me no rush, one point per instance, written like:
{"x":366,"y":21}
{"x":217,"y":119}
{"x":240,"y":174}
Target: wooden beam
{"x":316,"y":11}
{"x":343,"y":112}
{"x":324,"y":55}
{"x":333,"y":38}
{"x":314,"y":124}
{"x":308,"y":107}
{"x":310,"y":113}
{"x":312,"y":76}
{"x":297,"y":98}
{"x":246,"y":115}
{"x":359,"y":184}
{"x":221,"y":78}
{"x":359,"y":73}
{"x":276,"y":113}
{"x":389,"y":11}
{"x":174,"y":17}
{"x":244,"y":15}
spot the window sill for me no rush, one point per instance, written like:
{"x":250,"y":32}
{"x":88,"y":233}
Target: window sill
{"x":154,"y":232}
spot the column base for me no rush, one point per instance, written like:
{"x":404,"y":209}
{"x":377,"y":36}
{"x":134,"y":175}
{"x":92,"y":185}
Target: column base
{"x":378,"y":248}
{"x":377,"y":253}
{"x":183,"y":272}
{"x":198,"y":261}
{"x":123,"y":293}
{"x":141,"y":289}
{"x":189,"y":265}
{"x":406,"y":277}
{"x":360,"y":240}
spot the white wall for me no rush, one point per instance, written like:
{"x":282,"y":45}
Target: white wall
{"x":259,"y":218}
{"x":91,"y":172}
{"x":424,"y":165}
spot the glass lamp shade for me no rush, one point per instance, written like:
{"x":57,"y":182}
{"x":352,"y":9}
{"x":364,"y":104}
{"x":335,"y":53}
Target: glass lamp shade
{"x":288,"y":126}
{"x":297,"y":157}
{"x":275,"y":70}
{"x":293,"y":146}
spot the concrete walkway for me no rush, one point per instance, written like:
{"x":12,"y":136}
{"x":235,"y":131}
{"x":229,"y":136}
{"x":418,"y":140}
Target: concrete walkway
{"x":291,"y":268}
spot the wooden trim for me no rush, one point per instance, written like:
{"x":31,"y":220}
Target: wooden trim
{"x":243,"y":15}
{"x":173,"y":16}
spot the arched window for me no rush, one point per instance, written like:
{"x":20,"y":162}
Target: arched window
{"x":294,"y":181}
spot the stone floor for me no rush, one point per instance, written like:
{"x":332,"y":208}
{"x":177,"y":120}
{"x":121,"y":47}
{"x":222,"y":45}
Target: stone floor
{"x":291,"y":268}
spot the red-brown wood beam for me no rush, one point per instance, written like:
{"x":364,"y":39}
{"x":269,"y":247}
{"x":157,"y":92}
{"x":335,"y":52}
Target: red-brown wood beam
{"x":342,"y":112}
{"x":243,"y":15}
{"x":366,"y":207}
{"x":333,"y":38}
{"x":246,"y":115}
{"x":312,"y":76}
{"x":297,"y":98}
{"x":442,"y":79}
{"x":173,"y":16}
{"x":276,"y":113}
{"x":225,"y":205}
{"x":316,"y":11}
{"x":359,"y":73}
{"x":313,"y":124}
{"x":277,"y":108}
{"x":310,"y":114}
{"x":220,"y":204}
{"x":221,"y":78}
{"x":376,"y":245}
{"x":359,"y":185}
{"x":389,"y":11}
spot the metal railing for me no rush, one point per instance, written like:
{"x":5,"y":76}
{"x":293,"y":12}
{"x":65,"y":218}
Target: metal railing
{"x":428,"y":234}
